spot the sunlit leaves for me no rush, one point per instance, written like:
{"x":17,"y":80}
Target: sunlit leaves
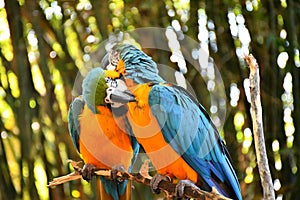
{"x":247,"y":140}
{"x":118,"y":20}
{"x":239,"y":32}
{"x":249,"y":175}
{"x":33,"y":57}
{"x":252,"y":5}
{"x":288,"y":100}
{"x":93,"y":27}
{"x":283,"y":34}
{"x":7,"y":115}
{"x":57,"y":50}
{"x":41,"y":178}
{"x":180,"y":8}
{"x":244,"y":136}
{"x":239,"y":121}
{"x":3,"y":79}
{"x":277,"y":158}
{"x":74,"y":49}
{"x":283,"y":3}
{"x":52,"y":11}
{"x":297,"y":58}
{"x":75,"y":193}
{"x":234,"y":95}
{"x":5,"y":35}
{"x":12,"y":147}
{"x":280,"y":20}
{"x":83,"y":5}
{"x":282,"y":59}
{"x":35,"y":126}
{"x":277,"y":184}
{"x":38,"y":80}
{"x":13,"y":84}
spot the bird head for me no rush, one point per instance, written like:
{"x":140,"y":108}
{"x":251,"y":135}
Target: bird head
{"x":98,"y":90}
{"x":132,"y":63}
{"x":94,"y":88}
{"x":118,"y":93}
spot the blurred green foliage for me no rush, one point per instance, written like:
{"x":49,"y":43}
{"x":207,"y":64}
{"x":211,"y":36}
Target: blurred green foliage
{"x":45,"y":43}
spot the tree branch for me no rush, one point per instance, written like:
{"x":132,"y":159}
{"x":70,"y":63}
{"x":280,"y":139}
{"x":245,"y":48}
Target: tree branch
{"x":256,"y":113}
{"x":141,"y":177}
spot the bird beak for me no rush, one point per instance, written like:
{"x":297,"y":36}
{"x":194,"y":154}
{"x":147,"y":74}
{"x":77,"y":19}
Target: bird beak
{"x":117,"y":96}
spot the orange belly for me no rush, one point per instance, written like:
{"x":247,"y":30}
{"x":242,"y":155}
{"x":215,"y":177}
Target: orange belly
{"x":148,"y":133}
{"x":103,"y":142}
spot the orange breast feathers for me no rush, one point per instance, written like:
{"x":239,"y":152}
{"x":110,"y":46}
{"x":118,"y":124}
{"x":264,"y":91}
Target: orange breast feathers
{"x":148,"y":133}
{"x":103,"y":142}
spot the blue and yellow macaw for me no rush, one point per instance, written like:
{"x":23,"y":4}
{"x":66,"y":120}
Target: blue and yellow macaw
{"x":173,"y":127}
{"x":100,"y":135}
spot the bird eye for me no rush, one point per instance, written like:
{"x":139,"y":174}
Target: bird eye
{"x":114,"y":84}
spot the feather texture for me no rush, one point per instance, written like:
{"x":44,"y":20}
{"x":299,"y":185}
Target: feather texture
{"x":94,"y":88}
{"x":99,"y":135}
{"x":136,"y":63}
{"x":76,"y":108}
{"x":191,"y":134}
{"x":185,"y":126}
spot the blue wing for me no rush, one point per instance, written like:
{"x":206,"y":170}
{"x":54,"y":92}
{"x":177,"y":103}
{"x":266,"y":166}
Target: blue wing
{"x":76,"y":108}
{"x":187,"y":127}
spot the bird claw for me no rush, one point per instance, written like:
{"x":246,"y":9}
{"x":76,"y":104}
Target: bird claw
{"x":88,"y":171}
{"x":114,"y":173}
{"x":179,"y":189}
{"x":156,"y":179}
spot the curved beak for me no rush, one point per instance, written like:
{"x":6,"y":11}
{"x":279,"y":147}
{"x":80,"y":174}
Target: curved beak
{"x":117,"y":96}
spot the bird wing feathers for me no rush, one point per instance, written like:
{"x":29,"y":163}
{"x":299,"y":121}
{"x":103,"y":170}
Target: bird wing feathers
{"x":188,"y":129}
{"x":76,"y":108}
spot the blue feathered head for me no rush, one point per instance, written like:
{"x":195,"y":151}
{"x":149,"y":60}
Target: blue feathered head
{"x":139,"y":67}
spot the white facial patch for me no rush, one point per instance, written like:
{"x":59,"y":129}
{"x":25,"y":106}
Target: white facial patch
{"x":111,"y":82}
{"x":116,"y":83}
{"x":107,"y":99}
{"x":121,"y":85}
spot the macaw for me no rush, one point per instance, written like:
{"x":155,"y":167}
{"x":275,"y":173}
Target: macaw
{"x":173,"y":127}
{"x":100,"y":135}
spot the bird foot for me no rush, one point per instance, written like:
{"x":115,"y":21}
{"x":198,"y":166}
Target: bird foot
{"x":156,"y":179}
{"x":114,"y":173}
{"x":88,"y":171}
{"x":179,"y":189}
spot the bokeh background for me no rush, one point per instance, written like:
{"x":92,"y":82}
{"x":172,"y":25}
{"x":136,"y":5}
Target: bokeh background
{"x":45,"y":43}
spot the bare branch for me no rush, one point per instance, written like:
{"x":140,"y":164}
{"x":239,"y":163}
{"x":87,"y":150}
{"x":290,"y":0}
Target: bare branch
{"x":141,"y":177}
{"x":258,"y":132}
